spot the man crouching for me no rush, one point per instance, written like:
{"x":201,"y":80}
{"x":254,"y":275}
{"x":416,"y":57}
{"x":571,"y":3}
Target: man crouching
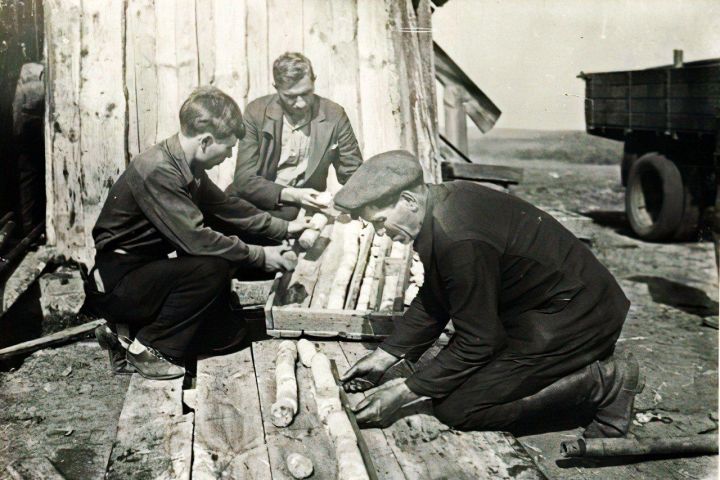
{"x":536,"y":315}
{"x":164,"y":202}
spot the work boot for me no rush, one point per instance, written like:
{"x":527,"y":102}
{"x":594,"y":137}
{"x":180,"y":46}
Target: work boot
{"x":608,"y":388}
{"x":108,"y":340}
{"x":152,"y":364}
{"x":621,"y":380}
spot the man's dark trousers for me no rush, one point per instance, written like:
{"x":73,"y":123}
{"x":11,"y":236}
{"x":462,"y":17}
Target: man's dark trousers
{"x":179,"y":306}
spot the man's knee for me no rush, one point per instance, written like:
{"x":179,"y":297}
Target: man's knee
{"x":462,"y":415}
{"x":212,"y":272}
{"x":449,"y":413}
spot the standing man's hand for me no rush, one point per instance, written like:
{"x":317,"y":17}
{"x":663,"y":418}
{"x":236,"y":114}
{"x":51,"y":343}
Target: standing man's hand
{"x":379,"y":407}
{"x":279,"y":259}
{"x":306,"y":197}
{"x":366,"y":373}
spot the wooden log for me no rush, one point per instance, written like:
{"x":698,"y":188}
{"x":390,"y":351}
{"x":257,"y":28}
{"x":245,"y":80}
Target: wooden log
{"x":63,"y":162}
{"x":312,"y":233}
{"x":305,"y":435}
{"x":366,"y":240}
{"x":56,"y":338}
{"x":102,"y":105}
{"x":141,"y":75}
{"x":154,"y":438}
{"x":348,"y":262}
{"x":330,"y":263}
{"x":229,"y":439}
{"x":302,"y":283}
{"x":374,"y":275}
{"x":37,"y":468}
{"x":418,"y":440}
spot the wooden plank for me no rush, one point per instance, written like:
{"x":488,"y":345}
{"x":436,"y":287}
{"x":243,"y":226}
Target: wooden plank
{"x":65,"y":220}
{"x":229,"y":437}
{"x":259,"y":72}
{"x":384,"y":459}
{"x":306,"y":435}
{"x":24,"y":274}
{"x":381,"y":114}
{"x":347,"y":321}
{"x":49,"y":340}
{"x":154,"y":438}
{"x":102,"y":104}
{"x":141,"y":75}
{"x":366,"y":238}
{"x":317,"y":30}
{"x":37,"y":468}
{"x":482,"y":173}
{"x":417,"y":442}
{"x":344,"y":67}
{"x":286,"y":34}
{"x":222,"y":23}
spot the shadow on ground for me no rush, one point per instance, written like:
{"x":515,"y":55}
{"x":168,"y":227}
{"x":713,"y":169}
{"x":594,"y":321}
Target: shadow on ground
{"x":677,"y":295}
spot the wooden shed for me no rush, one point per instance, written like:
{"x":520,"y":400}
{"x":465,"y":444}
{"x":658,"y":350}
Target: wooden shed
{"x":118,"y":71}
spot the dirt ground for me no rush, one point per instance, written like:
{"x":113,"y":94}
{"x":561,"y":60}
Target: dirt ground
{"x":62,"y":403}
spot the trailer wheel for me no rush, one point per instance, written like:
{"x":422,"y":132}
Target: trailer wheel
{"x":658,"y":204}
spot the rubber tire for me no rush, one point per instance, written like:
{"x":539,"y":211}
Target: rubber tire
{"x":628,"y":159}
{"x":655,"y":179}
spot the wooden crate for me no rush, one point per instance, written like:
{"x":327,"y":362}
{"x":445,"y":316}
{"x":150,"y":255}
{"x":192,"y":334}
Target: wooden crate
{"x":293,"y":320}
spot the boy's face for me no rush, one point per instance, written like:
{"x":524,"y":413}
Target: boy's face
{"x":213,"y":151}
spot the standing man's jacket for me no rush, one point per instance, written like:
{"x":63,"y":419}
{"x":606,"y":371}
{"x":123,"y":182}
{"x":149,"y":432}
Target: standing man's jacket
{"x":332,"y":141}
{"x":514,"y":282}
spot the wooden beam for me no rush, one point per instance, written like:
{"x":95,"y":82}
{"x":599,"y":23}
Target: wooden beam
{"x":482,"y":173}
{"x":454,"y":97}
{"x":154,"y":438}
{"x":229,"y":437}
{"x":50,"y":340}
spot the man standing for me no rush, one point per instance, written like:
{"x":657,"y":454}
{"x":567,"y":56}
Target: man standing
{"x":536,"y":315}
{"x":162,"y":203}
{"x":292,"y":138}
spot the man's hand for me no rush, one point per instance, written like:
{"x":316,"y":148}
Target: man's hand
{"x":366,"y":373}
{"x":378,"y":408}
{"x":279,"y":258}
{"x":306,"y":197}
{"x":298,"y":225}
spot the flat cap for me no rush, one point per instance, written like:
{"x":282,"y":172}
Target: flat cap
{"x":379,"y":176}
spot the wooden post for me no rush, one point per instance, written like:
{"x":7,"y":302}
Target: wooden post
{"x":455,"y":121}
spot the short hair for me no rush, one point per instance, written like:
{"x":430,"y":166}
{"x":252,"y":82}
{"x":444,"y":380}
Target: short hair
{"x":290,"y":67}
{"x":210,"y":110}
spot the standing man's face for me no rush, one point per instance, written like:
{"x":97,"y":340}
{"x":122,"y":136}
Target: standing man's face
{"x":297,"y":100}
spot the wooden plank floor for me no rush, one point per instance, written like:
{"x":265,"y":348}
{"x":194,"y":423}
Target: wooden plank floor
{"x":234,"y":438}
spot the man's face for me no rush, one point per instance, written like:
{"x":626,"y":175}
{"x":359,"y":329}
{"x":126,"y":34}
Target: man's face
{"x":213,"y":151}
{"x":401,"y":221}
{"x":297,"y":99}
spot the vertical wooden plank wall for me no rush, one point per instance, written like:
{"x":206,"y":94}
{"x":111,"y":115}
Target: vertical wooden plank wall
{"x":373,"y":57}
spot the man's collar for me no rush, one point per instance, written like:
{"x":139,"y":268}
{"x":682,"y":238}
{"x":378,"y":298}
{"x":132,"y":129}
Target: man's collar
{"x":423,"y":242}
{"x":178,"y":156}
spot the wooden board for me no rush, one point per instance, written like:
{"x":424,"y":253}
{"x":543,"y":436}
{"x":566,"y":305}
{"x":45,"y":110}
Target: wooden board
{"x":338,"y":321}
{"x":384,"y":459}
{"x":56,"y":338}
{"x":154,"y":438}
{"x":229,"y":437}
{"x":24,"y":274}
{"x":482,"y":173}
{"x":418,"y":442}
{"x":306,"y":435}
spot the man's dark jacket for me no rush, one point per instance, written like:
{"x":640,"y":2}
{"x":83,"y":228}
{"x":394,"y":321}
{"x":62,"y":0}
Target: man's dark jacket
{"x":332,"y":141}
{"x":528,"y":300}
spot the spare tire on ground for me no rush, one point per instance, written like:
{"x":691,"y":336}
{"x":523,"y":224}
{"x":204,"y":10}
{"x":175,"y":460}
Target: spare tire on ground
{"x":658,"y":204}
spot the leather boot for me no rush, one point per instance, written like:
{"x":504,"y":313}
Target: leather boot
{"x":608,"y":388}
{"x":115,"y":345}
{"x":621,"y":381}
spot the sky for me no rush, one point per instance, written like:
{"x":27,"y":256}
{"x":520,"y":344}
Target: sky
{"x":526,"y":54}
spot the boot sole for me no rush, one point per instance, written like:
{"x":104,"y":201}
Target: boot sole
{"x":163,"y":377}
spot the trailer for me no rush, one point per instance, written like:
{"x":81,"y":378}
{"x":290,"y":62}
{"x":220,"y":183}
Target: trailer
{"x":668,"y":119}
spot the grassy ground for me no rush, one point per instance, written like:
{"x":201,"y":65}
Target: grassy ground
{"x":573,"y":146}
